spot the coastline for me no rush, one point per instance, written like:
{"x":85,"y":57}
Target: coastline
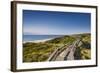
{"x":38,"y":41}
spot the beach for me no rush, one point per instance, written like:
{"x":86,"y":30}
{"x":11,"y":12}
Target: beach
{"x":38,"y":41}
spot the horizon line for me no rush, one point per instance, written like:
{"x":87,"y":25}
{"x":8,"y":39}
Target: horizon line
{"x":58,"y":34}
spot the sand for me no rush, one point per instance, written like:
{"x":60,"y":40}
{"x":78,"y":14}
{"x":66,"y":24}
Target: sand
{"x":38,"y":41}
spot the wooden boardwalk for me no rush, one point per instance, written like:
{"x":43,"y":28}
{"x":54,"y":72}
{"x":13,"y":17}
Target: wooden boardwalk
{"x":65,"y":52}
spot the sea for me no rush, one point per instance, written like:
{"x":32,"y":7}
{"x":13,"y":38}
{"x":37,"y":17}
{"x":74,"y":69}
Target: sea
{"x":27,"y":38}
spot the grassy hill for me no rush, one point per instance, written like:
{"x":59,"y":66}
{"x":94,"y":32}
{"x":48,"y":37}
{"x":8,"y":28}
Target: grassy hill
{"x":37,"y":52}
{"x":84,"y":50}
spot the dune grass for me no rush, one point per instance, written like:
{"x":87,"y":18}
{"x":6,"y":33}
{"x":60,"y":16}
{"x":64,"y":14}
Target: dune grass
{"x":38,"y":52}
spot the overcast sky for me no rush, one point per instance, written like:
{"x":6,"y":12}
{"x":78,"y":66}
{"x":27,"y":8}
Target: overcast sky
{"x":55,"y":23}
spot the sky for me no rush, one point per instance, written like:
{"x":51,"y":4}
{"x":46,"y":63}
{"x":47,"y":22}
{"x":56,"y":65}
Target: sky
{"x":55,"y":23}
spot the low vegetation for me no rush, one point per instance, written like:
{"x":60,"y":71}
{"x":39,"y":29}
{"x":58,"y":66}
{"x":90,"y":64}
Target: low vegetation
{"x":37,"y":52}
{"x":83,"y":51}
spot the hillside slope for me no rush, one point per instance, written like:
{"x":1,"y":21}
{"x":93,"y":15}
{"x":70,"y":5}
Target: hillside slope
{"x":37,"y":52}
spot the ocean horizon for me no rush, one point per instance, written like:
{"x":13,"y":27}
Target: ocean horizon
{"x":27,"y":38}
